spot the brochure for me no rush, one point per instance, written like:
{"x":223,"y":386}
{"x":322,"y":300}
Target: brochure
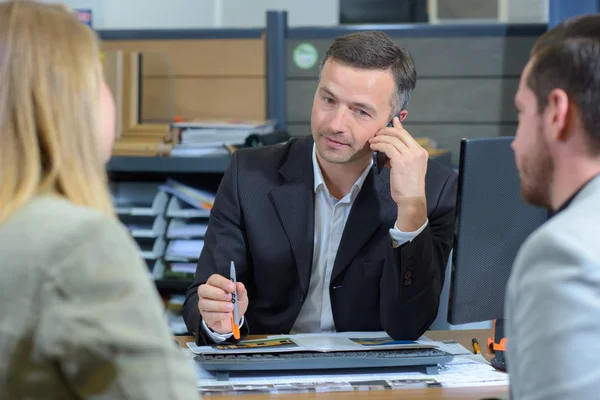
{"x":310,"y":343}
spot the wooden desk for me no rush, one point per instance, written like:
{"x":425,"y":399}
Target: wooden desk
{"x":472,"y":393}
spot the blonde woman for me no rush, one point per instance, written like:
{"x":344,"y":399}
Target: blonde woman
{"x":79,"y":317}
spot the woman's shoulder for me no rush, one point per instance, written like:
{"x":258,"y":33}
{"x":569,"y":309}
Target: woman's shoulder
{"x":52,"y":227}
{"x":58,"y":215}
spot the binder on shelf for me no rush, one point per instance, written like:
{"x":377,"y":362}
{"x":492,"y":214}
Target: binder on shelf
{"x":144,"y":226}
{"x":151,"y":248}
{"x":186,"y":229}
{"x":138,"y":198}
{"x":177,"y":208}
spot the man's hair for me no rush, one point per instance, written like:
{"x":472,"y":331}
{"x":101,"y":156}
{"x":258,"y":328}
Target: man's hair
{"x":377,"y":50}
{"x":567,"y":57}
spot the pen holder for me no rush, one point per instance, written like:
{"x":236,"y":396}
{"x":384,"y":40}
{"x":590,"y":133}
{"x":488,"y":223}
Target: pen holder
{"x":497,"y":345}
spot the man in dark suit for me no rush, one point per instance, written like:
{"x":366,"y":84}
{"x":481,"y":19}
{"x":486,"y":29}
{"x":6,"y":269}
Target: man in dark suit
{"x":320,"y":240}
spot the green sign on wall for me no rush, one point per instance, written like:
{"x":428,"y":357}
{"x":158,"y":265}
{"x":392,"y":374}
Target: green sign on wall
{"x":305,"y":55}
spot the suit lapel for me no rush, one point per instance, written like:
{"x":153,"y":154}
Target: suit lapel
{"x":294,"y":202}
{"x":370,"y":207}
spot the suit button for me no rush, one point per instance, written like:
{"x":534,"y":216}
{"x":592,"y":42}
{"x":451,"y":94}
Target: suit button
{"x":407,"y":275}
{"x":302,"y":299}
{"x":407,"y":282}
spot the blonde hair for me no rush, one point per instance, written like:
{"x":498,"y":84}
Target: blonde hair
{"x":49,"y":108}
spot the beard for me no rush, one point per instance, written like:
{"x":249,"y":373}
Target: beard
{"x":537,"y":172}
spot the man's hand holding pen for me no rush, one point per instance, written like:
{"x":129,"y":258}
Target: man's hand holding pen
{"x":215,"y":302}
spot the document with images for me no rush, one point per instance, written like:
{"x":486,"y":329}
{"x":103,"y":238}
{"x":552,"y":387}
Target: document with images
{"x":327,"y":342}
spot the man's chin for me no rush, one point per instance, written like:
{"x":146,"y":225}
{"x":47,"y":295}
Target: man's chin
{"x":533,"y":197}
{"x":335,"y":158}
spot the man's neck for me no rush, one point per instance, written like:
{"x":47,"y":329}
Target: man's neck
{"x":339,"y":178}
{"x":570,"y":178}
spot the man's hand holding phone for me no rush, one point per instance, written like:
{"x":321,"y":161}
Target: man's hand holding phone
{"x":408,"y":167}
{"x":215,"y":302}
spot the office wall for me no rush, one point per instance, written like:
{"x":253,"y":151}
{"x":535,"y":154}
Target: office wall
{"x":465,"y":87}
{"x":252,"y":13}
{"x":526,"y":11}
{"x":503,"y":11}
{"x":181,"y":14}
{"x":475,"y":9}
{"x":200,"y":78}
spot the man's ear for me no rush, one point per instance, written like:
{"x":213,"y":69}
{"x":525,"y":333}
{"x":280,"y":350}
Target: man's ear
{"x":559,"y":109}
{"x":402,"y":115}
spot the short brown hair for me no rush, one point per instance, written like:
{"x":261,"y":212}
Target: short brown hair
{"x":377,"y":50}
{"x":567,"y":57}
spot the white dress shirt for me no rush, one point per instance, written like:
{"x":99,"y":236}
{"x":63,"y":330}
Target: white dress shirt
{"x":330,"y":216}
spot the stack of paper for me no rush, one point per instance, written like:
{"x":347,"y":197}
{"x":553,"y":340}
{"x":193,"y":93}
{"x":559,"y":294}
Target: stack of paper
{"x":180,"y":228}
{"x":356,"y":341}
{"x":209,"y":137}
{"x":200,"y":199}
{"x":188,"y":211}
{"x":465,"y":370}
{"x":183,"y":268}
{"x":184,"y":250}
{"x":168,"y":221}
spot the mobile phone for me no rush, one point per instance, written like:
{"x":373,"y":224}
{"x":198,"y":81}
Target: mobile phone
{"x":380,"y":158}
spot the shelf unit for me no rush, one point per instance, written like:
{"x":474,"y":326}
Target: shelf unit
{"x":190,"y":170}
{"x":178,"y":165}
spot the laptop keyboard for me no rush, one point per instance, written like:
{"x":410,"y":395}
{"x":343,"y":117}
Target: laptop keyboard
{"x":402,"y":353}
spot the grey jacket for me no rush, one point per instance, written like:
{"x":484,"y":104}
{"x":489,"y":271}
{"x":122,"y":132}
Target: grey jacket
{"x":553,"y":306}
{"x":79,"y":315}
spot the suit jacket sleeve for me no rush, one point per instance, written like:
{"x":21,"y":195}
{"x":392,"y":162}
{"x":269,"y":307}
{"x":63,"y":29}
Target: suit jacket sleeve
{"x":224,"y":241}
{"x":414,"y":272}
{"x":553,"y":304}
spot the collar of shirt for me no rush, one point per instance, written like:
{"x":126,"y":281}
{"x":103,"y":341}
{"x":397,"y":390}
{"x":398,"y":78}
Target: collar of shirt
{"x":320,"y":182}
{"x":570,"y":199}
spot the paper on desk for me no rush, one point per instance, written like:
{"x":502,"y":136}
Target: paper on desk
{"x":455,"y":348}
{"x":460,"y":372}
{"x":311,"y":342}
{"x":463,"y":371}
{"x":449,"y":346}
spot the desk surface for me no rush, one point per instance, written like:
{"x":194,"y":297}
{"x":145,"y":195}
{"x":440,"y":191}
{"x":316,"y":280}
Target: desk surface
{"x":472,"y":393}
